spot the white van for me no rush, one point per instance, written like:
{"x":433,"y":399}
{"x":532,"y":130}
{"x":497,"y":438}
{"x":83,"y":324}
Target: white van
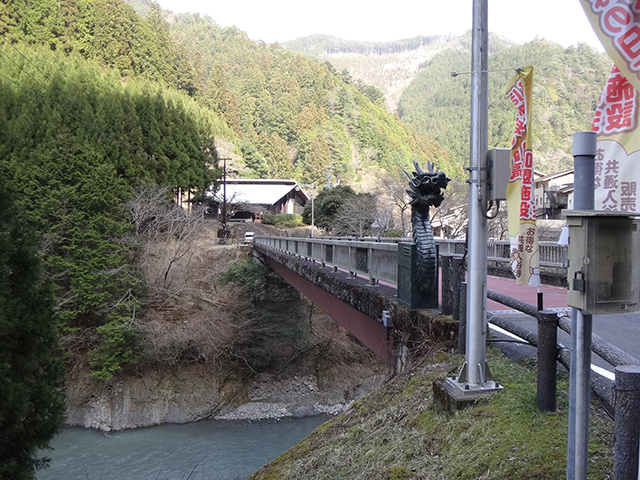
{"x":248,"y":237}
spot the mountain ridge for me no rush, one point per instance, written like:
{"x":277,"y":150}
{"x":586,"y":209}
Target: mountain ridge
{"x":388,"y":66}
{"x":418,"y":86}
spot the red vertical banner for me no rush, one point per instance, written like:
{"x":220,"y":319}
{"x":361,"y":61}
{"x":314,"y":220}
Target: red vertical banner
{"x":523,"y":234}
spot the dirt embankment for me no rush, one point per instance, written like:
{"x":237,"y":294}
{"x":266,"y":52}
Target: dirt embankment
{"x":207,"y":349}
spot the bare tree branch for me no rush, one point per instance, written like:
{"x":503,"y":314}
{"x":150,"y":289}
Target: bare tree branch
{"x":356,"y":216}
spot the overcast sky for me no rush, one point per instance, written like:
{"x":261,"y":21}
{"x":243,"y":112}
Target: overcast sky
{"x":562,"y":21}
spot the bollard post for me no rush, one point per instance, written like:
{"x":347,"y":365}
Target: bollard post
{"x":462,"y":319}
{"x":401,"y":354}
{"x":547,"y":354}
{"x":627,"y":422}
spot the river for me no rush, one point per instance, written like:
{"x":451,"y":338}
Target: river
{"x":206,"y":450}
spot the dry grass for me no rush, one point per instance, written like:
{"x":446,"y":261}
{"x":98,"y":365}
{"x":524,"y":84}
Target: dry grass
{"x":397,"y":433}
{"x":188,"y":316}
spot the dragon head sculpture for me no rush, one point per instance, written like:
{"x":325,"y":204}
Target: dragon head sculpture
{"x":426,"y":187}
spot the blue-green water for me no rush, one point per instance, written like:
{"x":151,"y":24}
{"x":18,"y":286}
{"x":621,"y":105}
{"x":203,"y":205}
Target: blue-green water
{"x":207,"y":450}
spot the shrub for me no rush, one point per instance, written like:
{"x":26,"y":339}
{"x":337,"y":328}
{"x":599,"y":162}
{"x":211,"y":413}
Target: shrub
{"x":278,"y":310}
{"x":283,"y":220}
{"x":393,"y":233}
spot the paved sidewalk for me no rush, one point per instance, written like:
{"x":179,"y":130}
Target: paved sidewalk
{"x":554,"y":298}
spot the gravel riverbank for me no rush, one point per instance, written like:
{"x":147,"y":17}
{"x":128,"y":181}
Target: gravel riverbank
{"x":297,"y":396}
{"x":277,"y":411}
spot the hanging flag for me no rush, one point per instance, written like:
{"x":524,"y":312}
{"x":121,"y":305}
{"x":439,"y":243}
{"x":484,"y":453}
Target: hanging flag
{"x":617,"y":25}
{"x":617,"y":163}
{"x":523,"y":235}
{"x":617,"y":166}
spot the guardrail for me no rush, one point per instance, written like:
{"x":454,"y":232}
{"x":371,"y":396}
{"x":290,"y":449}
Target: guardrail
{"x":377,"y":260}
{"x":377,"y":257}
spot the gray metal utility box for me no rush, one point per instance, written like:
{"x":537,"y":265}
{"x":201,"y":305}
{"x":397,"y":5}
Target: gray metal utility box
{"x":604,"y":261}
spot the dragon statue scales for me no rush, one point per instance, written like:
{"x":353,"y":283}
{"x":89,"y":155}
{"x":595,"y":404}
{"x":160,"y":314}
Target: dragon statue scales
{"x":425,"y":191}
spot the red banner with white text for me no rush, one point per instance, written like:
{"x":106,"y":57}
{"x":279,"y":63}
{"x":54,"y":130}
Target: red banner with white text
{"x":617,"y":25}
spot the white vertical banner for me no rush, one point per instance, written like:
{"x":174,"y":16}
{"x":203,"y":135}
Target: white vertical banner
{"x":523,"y":234}
{"x":617,"y":169}
{"x":617,"y":165}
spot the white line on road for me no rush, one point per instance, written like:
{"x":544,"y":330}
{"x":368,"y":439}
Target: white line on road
{"x":599,"y":370}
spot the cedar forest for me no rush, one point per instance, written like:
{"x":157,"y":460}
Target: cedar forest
{"x":99,"y":101}
{"x":100,"y":98}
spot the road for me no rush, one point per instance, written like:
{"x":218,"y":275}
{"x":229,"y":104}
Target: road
{"x":621,"y":330}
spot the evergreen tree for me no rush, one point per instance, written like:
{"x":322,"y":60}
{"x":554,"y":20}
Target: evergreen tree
{"x":326,"y":205}
{"x":69,"y":18}
{"x":254,"y":160}
{"x":314,"y":154}
{"x":175,"y":69}
{"x":7,"y":22}
{"x":31,"y":373}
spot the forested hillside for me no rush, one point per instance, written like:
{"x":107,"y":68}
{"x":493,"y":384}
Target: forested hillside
{"x":97,"y":102}
{"x":567,"y":84}
{"x":76,"y":143}
{"x":296,"y":115}
{"x":389,"y":67}
{"x":90,"y":113}
{"x":324,"y":44}
{"x":416,"y":78}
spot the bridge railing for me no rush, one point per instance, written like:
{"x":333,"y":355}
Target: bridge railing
{"x":377,"y":260}
{"x":377,"y":257}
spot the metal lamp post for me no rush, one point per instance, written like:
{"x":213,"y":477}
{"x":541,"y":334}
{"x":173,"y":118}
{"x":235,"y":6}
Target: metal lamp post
{"x":313,"y":191}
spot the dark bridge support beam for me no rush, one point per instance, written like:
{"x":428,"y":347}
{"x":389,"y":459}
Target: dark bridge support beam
{"x":369,"y":331}
{"x":358,"y":306}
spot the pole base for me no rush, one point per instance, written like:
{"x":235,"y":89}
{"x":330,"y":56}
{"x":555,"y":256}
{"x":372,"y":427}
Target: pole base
{"x":469,"y":389}
{"x":485,"y":383}
{"x":449,"y":397}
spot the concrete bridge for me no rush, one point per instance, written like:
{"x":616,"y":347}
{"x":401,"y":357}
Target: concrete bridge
{"x":355,"y":282}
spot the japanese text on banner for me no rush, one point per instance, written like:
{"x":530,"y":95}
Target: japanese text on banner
{"x":617,"y":25}
{"x":617,"y":162}
{"x":521,"y":190}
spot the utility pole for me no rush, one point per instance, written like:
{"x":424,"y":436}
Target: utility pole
{"x":329,"y":168}
{"x":477,"y":276}
{"x":224,"y":194}
{"x":223,"y":232}
{"x":475,"y":375}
